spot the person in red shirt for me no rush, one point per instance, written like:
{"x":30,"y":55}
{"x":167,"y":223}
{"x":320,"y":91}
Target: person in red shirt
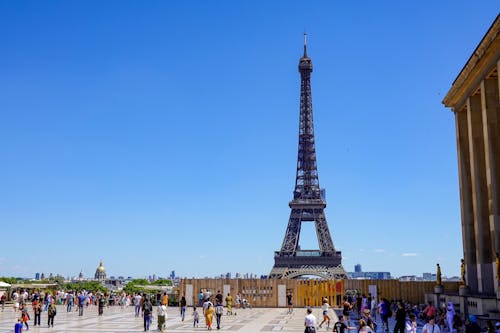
{"x":430,"y":310}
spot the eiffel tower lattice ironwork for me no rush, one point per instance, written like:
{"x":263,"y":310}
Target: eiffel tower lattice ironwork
{"x":308,"y":202}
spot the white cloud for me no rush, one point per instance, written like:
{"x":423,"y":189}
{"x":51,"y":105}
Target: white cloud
{"x":410,"y":254}
{"x":379,"y":251}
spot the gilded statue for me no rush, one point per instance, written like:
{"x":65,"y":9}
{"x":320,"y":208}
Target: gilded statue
{"x":497,"y":265}
{"x":462,"y":271}
{"x":438,"y":275}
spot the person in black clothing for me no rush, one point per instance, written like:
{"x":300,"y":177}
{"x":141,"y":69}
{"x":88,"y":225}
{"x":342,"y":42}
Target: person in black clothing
{"x":340,"y":326}
{"x":289,"y":302}
{"x":182,"y":304}
{"x":472,"y":326}
{"x":400,"y":319}
{"x":218,"y":297}
{"x":147,"y":309}
{"x":100,"y":304}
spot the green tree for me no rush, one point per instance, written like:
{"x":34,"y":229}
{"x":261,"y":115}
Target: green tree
{"x":9,"y":280}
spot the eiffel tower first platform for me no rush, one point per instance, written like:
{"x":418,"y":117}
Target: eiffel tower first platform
{"x":308,"y":203}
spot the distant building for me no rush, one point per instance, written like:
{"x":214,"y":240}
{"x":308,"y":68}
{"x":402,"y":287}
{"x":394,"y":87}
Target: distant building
{"x":37,"y":276}
{"x":100,"y":272}
{"x":429,"y":276}
{"x":172,"y":275}
{"x":359,"y":274}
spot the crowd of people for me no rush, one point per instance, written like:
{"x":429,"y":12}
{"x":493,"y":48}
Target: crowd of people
{"x":361,"y":313}
{"x":38,"y":302}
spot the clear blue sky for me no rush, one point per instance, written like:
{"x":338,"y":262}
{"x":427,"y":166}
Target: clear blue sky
{"x":162,"y":135}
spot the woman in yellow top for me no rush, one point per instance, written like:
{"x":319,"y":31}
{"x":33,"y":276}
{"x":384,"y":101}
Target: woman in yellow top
{"x":229,"y":304}
{"x":209,"y":314}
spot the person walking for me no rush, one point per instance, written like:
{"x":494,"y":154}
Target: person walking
{"x":101,"y":302}
{"x":450,"y":314}
{"x":70,"y":298}
{"x":385,"y":312}
{"x":399,"y":327}
{"x":18,"y":327}
{"x":431,"y":326}
{"x":37,"y":311}
{"x":147,"y":309}
{"x":81,"y":303}
{"x":309,"y":322}
{"x":411,"y":324}
{"x":363,"y":327}
{"x":346,"y":309}
{"x":182,"y":304}
{"x":3,"y":299}
{"x":164,"y":299}
{"x":219,"y":310}
{"x":209,"y":313}
{"x":289,"y":302}
{"x":229,"y":304}
{"x":340,"y":326}
{"x":137,"y":304}
{"x":25,"y":317}
{"x":162,"y":317}
{"x":196,"y":317}
{"x":51,"y":313}
{"x":325,"y":307}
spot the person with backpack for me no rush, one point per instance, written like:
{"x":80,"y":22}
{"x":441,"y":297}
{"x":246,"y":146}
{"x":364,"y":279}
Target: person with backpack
{"x":147,"y":309}
{"x":219,"y":310}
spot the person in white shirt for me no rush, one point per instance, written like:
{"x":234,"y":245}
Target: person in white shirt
{"x":162,"y":317}
{"x":450,"y":313}
{"x":431,"y":327}
{"x":325,"y":307}
{"x":310,"y":322}
{"x":411,"y":324}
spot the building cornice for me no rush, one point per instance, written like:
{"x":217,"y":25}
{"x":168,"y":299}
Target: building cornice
{"x":482,"y":61}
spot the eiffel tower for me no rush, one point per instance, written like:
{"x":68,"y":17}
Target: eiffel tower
{"x":308,"y":202}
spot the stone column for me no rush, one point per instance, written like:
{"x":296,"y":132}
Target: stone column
{"x":480,"y":196}
{"x":490,"y":102}
{"x":468,"y":238}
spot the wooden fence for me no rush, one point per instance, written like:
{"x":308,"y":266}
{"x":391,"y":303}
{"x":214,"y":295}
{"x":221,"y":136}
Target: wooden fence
{"x":272,"y":292}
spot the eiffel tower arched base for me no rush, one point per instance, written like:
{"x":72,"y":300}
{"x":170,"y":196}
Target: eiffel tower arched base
{"x":323,"y":272}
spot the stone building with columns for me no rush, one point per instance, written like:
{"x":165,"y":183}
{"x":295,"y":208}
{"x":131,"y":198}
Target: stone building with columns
{"x":474,"y":100}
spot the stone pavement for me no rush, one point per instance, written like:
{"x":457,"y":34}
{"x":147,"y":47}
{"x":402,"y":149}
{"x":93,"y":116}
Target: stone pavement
{"x":120,"y":320}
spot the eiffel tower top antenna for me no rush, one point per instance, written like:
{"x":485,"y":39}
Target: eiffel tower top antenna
{"x":305,"y":44}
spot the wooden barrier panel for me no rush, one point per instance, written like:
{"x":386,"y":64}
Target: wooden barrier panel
{"x":264,"y":292}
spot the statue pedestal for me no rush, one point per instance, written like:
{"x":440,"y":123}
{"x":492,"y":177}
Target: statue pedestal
{"x":438,"y":289}
{"x":464,"y":291}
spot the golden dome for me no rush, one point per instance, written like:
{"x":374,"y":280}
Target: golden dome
{"x":101,"y":267}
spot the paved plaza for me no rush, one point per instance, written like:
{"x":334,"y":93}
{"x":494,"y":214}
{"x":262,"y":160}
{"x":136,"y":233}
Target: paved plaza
{"x":116,"y":319}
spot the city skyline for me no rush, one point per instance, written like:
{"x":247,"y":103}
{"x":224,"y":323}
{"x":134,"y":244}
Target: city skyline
{"x":163,"y":136}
